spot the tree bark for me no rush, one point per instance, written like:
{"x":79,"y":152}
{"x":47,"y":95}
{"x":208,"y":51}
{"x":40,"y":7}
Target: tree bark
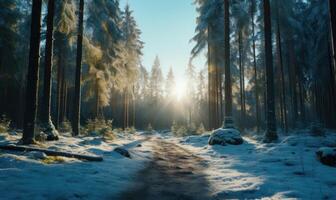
{"x":33,"y":74}
{"x":280,"y":62}
{"x":332,"y":6}
{"x":271,"y":134}
{"x":227,"y":68}
{"x":255,"y":67}
{"x":77,"y":99}
{"x":242,"y":82}
{"x":47,"y":124}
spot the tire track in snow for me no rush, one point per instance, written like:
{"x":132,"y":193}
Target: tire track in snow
{"x":173,"y":174}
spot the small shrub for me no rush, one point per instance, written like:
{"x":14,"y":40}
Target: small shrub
{"x":201,"y":129}
{"x":149,"y":127}
{"x":100,"y":127}
{"x":182,"y":131}
{"x":130,"y":130}
{"x":65,"y":126}
{"x":4,"y":124}
{"x":174,"y":128}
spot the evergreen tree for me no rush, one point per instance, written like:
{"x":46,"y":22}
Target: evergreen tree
{"x":271,"y":134}
{"x":9,"y":16}
{"x":49,"y":128}
{"x":77,"y":101}
{"x":33,"y":73}
{"x":170,"y":84}
{"x":156,"y":81}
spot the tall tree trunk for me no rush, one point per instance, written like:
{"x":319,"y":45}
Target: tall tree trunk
{"x":47,"y":124}
{"x":332,"y":6}
{"x":133,"y":102}
{"x":227,"y":70}
{"x":271,"y":134}
{"x":97,"y":101}
{"x":210,"y":79}
{"x":293,"y":82}
{"x":77,"y":99}
{"x":241,"y":79}
{"x":33,"y":74}
{"x":62,"y":95}
{"x":255,"y":67}
{"x":280,"y":62}
{"x":59,"y":78}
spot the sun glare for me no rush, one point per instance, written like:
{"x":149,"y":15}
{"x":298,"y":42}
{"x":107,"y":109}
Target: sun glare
{"x":180,"y":89}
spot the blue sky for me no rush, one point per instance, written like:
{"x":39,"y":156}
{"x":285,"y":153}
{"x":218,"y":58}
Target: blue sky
{"x":167,"y":27}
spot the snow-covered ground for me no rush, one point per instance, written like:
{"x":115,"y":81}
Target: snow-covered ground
{"x":285,"y":170}
{"x":23,"y":177}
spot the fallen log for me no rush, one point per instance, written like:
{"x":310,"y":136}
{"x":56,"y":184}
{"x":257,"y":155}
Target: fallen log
{"x":51,"y":152}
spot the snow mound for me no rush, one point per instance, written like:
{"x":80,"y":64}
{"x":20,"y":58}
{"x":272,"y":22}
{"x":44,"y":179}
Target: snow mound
{"x":225,"y":136}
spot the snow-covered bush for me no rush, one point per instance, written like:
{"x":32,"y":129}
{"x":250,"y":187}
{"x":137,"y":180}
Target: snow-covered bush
{"x":4,"y":124}
{"x":99,"y":127}
{"x":225,"y":136}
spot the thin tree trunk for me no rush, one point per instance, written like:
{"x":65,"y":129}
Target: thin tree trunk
{"x":271,"y":134}
{"x":332,"y":6}
{"x":280,"y":61}
{"x":241,"y":80}
{"x":77,"y":99}
{"x":255,"y":67}
{"x":209,"y":85}
{"x":65,"y":100}
{"x":133,"y":101}
{"x":45,"y":113}
{"x":97,"y":101}
{"x":47,"y":124}
{"x":33,"y":74}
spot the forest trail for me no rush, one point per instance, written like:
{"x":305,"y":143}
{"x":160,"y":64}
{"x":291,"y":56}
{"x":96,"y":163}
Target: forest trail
{"x":173,"y":173}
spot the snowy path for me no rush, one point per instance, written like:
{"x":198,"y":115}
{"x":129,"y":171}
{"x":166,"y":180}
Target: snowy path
{"x":174,"y":173}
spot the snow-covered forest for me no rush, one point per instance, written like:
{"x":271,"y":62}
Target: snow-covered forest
{"x":82,"y":117}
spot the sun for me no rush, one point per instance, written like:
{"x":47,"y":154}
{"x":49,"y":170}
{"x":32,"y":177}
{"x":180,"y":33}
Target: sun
{"x":180,"y":89}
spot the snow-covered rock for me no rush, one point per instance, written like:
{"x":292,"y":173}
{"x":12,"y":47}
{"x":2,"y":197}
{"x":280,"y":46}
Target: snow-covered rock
{"x":225,"y":136}
{"x":327,"y":155}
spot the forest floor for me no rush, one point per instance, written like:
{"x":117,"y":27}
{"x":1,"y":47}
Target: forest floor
{"x":163,"y":166}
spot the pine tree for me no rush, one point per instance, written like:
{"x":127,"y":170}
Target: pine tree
{"x":65,"y":21}
{"x":32,"y":76}
{"x":170,"y":84}
{"x":155,"y":81}
{"x":49,"y":128}
{"x":77,"y":100}
{"x":227,"y":68}
{"x":257,"y":106}
{"x":9,"y":19}
{"x":271,"y":134}
{"x":191,"y":90}
{"x":332,"y":8}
